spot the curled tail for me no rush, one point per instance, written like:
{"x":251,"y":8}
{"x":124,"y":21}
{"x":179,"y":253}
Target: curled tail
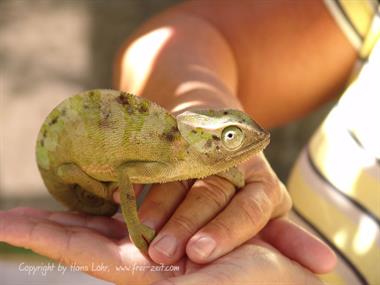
{"x":78,"y":191}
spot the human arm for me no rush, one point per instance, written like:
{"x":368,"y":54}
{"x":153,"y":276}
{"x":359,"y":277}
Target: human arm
{"x":268,"y":55}
{"x":277,"y":59}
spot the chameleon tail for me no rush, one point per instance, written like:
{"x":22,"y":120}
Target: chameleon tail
{"x":80,"y":192}
{"x":89,"y":203}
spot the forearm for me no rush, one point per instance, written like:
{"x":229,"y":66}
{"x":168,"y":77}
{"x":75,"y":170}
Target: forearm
{"x":281,"y":59}
{"x":180,"y":62}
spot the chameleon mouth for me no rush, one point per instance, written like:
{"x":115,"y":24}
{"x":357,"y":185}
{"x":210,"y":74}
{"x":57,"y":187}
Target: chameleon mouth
{"x":243,"y":155}
{"x":251,"y":149}
{"x":236,"y":159}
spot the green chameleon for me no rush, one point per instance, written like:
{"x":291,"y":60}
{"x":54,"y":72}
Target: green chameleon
{"x":100,"y":140}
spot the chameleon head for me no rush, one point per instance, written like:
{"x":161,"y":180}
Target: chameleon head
{"x":222,"y":136}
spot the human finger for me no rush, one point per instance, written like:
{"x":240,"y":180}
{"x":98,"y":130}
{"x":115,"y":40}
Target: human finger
{"x":66,"y":245}
{"x":205,"y":199}
{"x":161,"y":201}
{"x":95,"y":254}
{"x":299,"y":245}
{"x":107,"y":226}
{"x":246,"y":214}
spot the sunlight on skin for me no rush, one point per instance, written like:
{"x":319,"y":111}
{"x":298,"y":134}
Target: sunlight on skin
{"x":203,"y":70}
{"x":215,"y":81}
{"x":119,"y":261}
{"x":142,"y":268}
{"x":186,"y":106}
{"x":129,"y":252}
{"x":366,"y":235}
{"x":189,"y":86}
{"x":206,"y":88}
{"x":201,"y":94}
{"x":141,"y":55}
{"x":135,"y":263}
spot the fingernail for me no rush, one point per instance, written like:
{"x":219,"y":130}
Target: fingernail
{"x":203,"y":246}
{"x":166,"y":245}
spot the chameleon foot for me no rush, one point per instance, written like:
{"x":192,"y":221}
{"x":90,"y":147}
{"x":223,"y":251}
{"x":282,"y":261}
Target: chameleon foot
{"x":141,"y":236}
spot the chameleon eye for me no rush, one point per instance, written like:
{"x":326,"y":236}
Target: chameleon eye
{"x":232,"y":137}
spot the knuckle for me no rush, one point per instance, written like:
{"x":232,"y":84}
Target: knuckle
{"x":160,"y":201}
{"x":274,"y":189}
{"x":279,"y":196}
{"x":222,"y":229}
{"x":254,"y":210}
{"x":183,"y":223}
{"x":156,"y":206}
{"x":64,"y":255}
{"x":215,"y":190}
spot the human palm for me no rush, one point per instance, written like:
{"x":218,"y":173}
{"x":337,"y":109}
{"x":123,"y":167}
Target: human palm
{"x":101,"y":245}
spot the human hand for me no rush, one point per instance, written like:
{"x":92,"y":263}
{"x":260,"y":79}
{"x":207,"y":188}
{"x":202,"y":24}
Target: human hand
{"x":93,"y":241}
{"x":194,"y":218}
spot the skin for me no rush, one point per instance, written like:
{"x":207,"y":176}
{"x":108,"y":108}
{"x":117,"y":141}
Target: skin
{"x":261,"y":55}
{"x":72,"y":238}
{"x":102,"y":140}
{"x":250,"y":56}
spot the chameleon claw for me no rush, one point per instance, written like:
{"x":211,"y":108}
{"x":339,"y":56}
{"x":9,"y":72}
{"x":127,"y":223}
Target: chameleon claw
{"x":142,"y":237}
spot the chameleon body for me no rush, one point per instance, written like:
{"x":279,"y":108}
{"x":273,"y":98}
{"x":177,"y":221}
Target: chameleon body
{"x":100,"y":140}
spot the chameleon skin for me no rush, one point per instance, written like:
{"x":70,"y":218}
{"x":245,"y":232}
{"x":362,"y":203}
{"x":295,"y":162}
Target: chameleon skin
{"x":100,"y":140}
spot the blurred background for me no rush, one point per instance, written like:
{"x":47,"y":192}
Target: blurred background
{"x":52,"y":49}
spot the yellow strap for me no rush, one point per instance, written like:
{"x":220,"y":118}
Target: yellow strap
{"x":359,"y":21}
{"x":360,"y":14}
{"x":372,"y":37}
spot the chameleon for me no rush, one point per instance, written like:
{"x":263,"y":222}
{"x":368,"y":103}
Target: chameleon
{"x":98,"y":141}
